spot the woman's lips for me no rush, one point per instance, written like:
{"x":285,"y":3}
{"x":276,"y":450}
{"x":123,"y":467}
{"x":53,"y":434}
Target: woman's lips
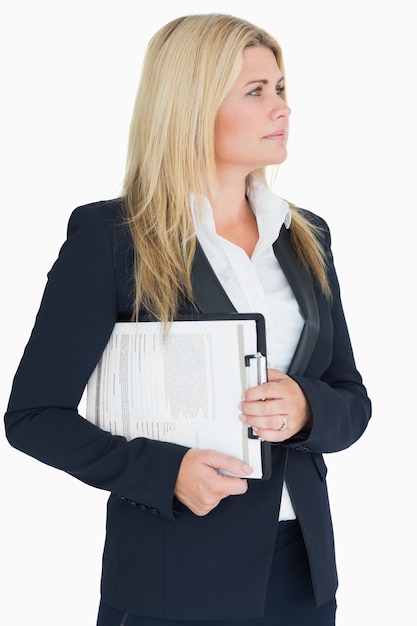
{"x":279,"y":134}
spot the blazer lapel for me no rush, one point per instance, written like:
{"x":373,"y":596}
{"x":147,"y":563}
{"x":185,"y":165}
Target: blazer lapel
{"x":302,"y":286}
{"x":209,"y":295}
{"x":211,"y":298}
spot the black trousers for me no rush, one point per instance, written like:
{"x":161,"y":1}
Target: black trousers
{"x":289,"y":602}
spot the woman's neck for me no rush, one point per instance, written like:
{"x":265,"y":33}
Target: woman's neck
{"x":233,"y":216}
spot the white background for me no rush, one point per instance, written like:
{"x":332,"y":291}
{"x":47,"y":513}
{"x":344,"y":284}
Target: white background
{"x":69,"y":76}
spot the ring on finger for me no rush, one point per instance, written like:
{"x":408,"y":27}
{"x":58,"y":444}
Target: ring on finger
{"x":284,"y":423}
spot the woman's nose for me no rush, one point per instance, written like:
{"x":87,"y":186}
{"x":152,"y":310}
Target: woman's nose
{"x":280,"y":109}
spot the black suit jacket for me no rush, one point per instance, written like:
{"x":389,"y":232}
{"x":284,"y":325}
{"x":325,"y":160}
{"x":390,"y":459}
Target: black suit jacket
{"x":160,"y":559}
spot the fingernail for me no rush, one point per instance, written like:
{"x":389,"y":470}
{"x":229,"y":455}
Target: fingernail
{"x":247,"y":469}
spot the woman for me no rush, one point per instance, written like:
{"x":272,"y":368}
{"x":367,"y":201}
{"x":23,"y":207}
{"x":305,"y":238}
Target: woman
{"x":198,"y":229}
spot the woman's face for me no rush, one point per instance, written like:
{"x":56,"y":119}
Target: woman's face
{"x":252,"y":122}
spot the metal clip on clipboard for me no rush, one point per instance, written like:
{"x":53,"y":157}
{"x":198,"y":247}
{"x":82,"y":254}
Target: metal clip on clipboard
{"x":256,"y":374}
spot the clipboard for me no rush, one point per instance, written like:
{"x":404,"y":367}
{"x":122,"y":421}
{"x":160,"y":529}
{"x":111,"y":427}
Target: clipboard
{"x":183,"y":386}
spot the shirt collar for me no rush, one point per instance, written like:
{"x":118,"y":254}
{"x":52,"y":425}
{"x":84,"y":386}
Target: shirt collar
{"x":271,"y":211}
{"x":267,"y":205}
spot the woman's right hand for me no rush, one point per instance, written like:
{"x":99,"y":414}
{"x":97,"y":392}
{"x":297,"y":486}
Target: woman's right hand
{"x":200,"y":483}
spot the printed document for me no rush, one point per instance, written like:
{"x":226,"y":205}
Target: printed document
{"x":183,"y":386}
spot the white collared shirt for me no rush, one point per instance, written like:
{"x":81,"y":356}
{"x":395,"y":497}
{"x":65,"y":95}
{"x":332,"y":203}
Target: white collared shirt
{"x":257,"y":284}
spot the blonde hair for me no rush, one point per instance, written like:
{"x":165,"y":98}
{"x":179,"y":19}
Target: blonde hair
{"x":189,"y":67}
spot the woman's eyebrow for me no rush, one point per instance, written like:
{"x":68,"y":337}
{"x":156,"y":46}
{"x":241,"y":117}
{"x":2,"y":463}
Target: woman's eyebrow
{"x":263,"y":81}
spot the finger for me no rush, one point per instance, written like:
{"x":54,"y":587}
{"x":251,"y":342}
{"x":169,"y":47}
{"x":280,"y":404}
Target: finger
{"x":227,"y":464}
{"x":266,"y":391}
{"x":280,"y":421}
{"x":273,"y":436}
{"x":199,"y":484}
{"x":276,"y":375}
{"x":264,"y":408}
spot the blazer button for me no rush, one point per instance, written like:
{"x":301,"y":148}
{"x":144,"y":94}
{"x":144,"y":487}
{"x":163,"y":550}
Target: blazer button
{"x":143,"y":507}
{"x":154,"y":511}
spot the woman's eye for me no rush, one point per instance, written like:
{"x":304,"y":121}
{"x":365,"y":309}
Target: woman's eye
{"x":279,"y":89}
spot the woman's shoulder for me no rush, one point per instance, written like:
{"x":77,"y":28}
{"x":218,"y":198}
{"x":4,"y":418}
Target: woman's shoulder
{"x":106,"y":210}
{"x":313,"y":218}
{"x":100,"y":223}
{"x":103,"y":215}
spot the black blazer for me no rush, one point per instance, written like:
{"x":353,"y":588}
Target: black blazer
{"x":160,"y":559}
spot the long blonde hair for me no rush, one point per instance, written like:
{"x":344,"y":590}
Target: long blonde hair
{"x":190,"y":66}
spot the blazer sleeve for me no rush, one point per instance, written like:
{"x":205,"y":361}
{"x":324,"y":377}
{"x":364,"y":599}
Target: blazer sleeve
{"x":338,"y":400}
{"x":78,"y":311}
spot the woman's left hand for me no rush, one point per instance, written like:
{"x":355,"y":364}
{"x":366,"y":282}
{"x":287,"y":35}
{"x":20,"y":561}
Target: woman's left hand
{"x":276,"y":410}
